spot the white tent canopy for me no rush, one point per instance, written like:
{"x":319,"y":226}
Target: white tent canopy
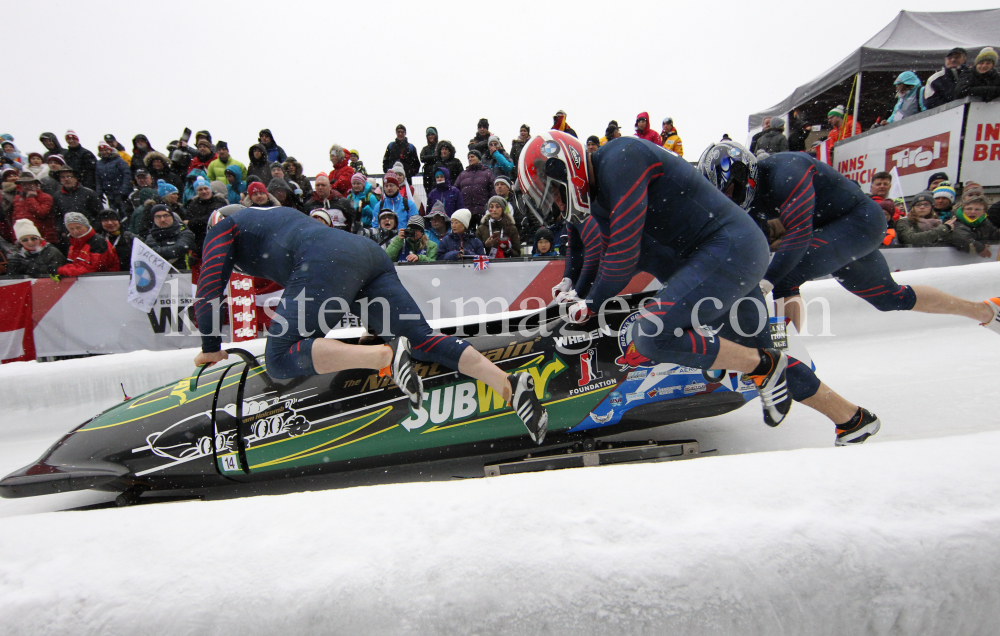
{"x":912,"y":41}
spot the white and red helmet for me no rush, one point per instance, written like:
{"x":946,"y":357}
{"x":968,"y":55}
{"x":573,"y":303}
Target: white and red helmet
{"x":555,"y":162}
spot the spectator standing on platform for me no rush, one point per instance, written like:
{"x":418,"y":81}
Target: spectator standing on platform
{"x":497,"y":159}
{"x":357,"y":164}
{"x":559,"y":123}
{"x":940,"y":87}
{"x":524,"y":135}
{"x":428,"y":157}
{"x":216,"y":170}
{"x":74,"y":197}
{"x":613,"y":131}
{"x":340,"y":176}
{"x":36,"y":258}
{"x":669,"y":138}
{"x":460,"y":243}
{"x":120,"y":239}
{"x":909,"y":96}
{"x":235,"y":186}
{"x":119,"y":148}
{"x":445,"y":158}
{"x":643,"y":131}
{"x":411,"y":250}
{"x":764,"y":127}
{"x":363,"y":201}
{"x":259,"y":166}
{"x":476,"y":184}
{"x":170,"y":239}
{"x":842,"y":128}
{"x":88,"y":252}
{"x":295,"y":175}
{"x":140,"y":148}
{"x":274,"y":151}
{"x":31,"y":204}
{"x":482,"y":139}
{"x":443,"y":191}
{"x":52,"y":145}
{"x":83,"y":160}
{"x":982,"y":80}
{"x":774,"y":140}
{"x":114,"y":177}
{"x":498,"y":232}
{"x":798,"y":132}
{"x":403,"y":151}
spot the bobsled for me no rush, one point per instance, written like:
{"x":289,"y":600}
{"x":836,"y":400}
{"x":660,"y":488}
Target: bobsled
{"x":235,"y":424}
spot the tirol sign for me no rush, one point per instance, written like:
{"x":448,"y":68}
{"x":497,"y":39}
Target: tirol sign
{"x":916,"y":147}
{"x":981,"y":154}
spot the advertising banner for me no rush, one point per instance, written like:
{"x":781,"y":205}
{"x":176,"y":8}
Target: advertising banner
{"x":981,"y":155}
{"x":917,"y":148}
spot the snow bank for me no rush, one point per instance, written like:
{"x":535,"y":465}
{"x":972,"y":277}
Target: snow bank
{"x":879,"y":539}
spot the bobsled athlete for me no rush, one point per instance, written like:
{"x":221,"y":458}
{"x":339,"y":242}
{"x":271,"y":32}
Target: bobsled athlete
{"x":650,"y":210}
{"x":831,"y":228}
{"x":324,"y":272}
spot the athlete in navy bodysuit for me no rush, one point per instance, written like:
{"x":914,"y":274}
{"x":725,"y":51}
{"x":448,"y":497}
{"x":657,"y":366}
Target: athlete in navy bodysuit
{"x":834,"y":228}
{"x":326,"y":272}
{"x":653,"y":212}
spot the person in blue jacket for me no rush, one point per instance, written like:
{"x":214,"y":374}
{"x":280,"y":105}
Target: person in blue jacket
{"x":316,"y":264}
{"x":445,"y":192}
{"x":831,"y":227}
{"x":498,"y":160}
{"x":654,"y":212}
{"x":113,"y":175}
{"x":235,"y":186}
{"x":460,"y":242}
{"x":909,"y":96}
{"x":396,"y":200}
{"x":366,"y":205}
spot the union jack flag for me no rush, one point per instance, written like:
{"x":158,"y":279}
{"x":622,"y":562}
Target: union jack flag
{"x":482,"y":262}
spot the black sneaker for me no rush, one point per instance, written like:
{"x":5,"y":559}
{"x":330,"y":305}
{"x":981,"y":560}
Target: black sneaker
{"x":528,"y":407}
{"x":860,"y":427}
{"x":773,"y":389}
{"x":405,"y":375}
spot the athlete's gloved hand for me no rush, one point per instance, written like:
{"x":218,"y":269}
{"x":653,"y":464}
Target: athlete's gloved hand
{"x":567,"y":298}
{"x":766,"y":286}
{"x":579,"y":313}
{"x":564,"y":286}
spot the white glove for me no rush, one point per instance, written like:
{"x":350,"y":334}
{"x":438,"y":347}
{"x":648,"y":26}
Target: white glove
{"x":564,"y":286}
{"x":766,"y":286}
{"x":579,"y":313}
{"x":567,"y":298}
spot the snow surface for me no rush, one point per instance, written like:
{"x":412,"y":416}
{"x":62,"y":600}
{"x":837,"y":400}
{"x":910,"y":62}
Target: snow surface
{"x":780,"y":534}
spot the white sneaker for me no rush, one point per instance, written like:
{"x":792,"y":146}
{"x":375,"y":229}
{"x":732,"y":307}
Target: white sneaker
{"x":993,"y":325}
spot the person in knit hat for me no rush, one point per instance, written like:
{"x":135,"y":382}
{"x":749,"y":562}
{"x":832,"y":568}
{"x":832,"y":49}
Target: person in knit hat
{"x":200,"y":208}
{"x":322,"y":216}
{"x":357,"y":164}
{"x":411,"y":245}
{"x":461,"y":243}
{"x":73,"y":197}
{"x":944,"y":199}
{"x":400,"y":149}
{"x":544,"y":244}
{"x":171,"y":239}
{"x":81,"y":159}
{"x":498,"y":231}
{"x":523,"y":137}
{"x":402,"y":206}
{"x":982,"y":80}
{"x":482,"y":139}
{"x":88,"y":251}
{"x":842,"y":126}
{"x":114,"y":177}
{"x":36,"y":257}
{"x":120,"y":238}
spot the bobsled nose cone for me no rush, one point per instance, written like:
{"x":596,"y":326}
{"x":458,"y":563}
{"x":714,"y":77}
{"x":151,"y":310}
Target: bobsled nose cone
{"x":42,"y":479}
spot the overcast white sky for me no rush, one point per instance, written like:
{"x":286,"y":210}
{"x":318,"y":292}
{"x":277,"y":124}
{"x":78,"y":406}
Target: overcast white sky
{"x":318,"y":73}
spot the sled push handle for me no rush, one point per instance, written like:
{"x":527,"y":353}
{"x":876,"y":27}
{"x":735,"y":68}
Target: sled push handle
{"x":246,"y":356}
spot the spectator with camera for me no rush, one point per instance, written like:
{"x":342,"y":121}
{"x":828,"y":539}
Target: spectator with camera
{"x":31,"y":204}
{"x":461,"y":243}
{"x":498,"y":231}
{"x":387,"y":229}
{"x":411,"y":245}
{"x":295,"y":176}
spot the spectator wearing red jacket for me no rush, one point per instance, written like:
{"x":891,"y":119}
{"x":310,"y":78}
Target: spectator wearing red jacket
{"x":204,"y":157}
{"x":643,"y":131}
{"x":88,"y":251}
{"x":340,"y":176}
{"x":32,"y":204}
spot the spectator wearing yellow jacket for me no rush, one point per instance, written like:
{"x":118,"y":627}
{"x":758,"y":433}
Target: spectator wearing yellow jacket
{"x":217,"y":168}
{"x":670,"y":139}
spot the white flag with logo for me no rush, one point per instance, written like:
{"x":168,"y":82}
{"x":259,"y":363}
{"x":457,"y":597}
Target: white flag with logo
{"x":148,"y":271}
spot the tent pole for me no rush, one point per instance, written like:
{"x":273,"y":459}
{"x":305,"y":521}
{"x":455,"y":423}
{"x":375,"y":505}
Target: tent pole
{"x":857,"y":102}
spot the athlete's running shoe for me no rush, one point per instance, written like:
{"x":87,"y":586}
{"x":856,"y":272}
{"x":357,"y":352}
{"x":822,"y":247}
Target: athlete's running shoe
{"x":405,"y":375}
{"x":863,"y":425}
{"x":527,"y":405}
{"x":993,"y":325}
{"x":773,"y":389}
